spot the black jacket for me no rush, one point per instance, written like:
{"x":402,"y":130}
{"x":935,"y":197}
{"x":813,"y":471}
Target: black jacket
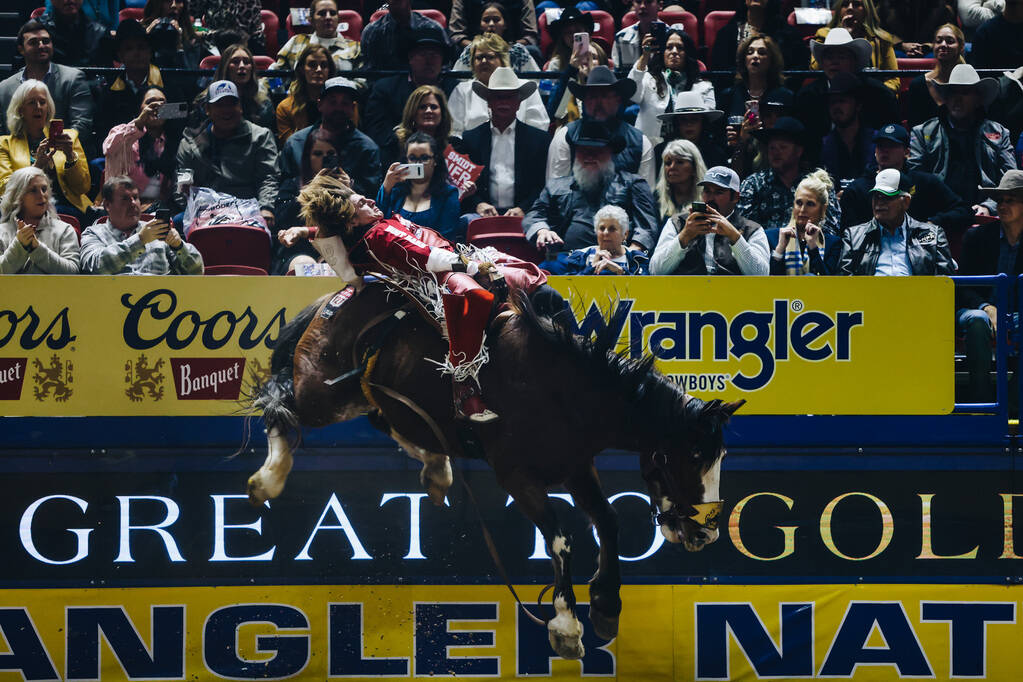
{"x":84,"y":43}
{"x":927,"y":249}
{"x":530,"y":164}
{"x":980,"y":257}
{"x":933,"y":202}
{"x":386,"y":103}
{"x":793,"y":49}
{"x":880,"y":107}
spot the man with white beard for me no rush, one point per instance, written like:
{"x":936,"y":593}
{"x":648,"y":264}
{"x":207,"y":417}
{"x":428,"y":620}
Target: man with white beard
{"x":562,"y":217}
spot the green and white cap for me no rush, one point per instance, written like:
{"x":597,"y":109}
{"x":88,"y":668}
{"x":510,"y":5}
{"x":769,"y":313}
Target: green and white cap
{"x":891,"y":183}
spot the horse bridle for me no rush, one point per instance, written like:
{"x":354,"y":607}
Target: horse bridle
{"x":705,"y":514}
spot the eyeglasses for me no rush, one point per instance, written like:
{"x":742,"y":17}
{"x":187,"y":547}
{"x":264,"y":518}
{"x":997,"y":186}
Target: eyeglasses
{"x":421,"y":159}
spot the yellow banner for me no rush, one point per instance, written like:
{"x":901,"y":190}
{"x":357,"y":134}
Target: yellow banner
{"x":174,"y":346}
{"x":866,"y":632}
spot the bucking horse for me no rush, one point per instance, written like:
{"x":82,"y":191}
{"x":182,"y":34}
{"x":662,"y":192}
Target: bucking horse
{"x":562,"y":399}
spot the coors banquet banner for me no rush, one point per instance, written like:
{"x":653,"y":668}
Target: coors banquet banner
{"x":188,"y":346}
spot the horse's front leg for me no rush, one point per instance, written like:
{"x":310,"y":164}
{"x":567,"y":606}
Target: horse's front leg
{"x":605,"y":602}
{"x":564,"y":631}
{"x":268,"y":482}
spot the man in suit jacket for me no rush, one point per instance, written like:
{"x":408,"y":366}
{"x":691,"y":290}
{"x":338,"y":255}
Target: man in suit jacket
{"x":67,"y":85}
{"x":513,"y":154}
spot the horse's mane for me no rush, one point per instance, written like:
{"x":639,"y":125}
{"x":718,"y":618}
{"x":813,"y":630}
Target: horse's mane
{"x":655,"y":404}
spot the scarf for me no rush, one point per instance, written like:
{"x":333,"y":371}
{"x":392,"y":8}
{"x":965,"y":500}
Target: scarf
{"x":797,"y":259}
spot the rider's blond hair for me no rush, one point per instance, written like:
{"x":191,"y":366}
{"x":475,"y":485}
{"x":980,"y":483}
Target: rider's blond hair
{"x":325,"y":203}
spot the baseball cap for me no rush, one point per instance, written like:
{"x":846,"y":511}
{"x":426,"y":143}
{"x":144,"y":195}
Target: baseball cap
{"x":339,"y":82}
{"x":221,"y":89}
{"x":722,"y":176}
{"x":891,"y":183}
{"x":893,"y":133}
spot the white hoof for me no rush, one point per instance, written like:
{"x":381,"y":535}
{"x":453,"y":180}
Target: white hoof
{"x":263,"y":486}
{"x":565,"y":633}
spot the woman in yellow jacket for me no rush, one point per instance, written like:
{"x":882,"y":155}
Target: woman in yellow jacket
{"x":861,"y":19}
{"x":60,"y":156}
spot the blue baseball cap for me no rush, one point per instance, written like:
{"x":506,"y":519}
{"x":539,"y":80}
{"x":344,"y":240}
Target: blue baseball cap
{"x":893,"y":133}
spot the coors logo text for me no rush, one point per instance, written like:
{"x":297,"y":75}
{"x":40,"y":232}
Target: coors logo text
{"x":32,"y":331}
{"x":154,"y":319}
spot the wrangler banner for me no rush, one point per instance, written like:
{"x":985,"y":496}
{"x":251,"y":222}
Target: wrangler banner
{"x":189,"y":346}
{"x":666,"y":633}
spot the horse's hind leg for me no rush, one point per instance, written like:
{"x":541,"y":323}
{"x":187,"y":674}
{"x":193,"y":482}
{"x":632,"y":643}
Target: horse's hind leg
{"x":564,"y":631}
{"x":268,"y":482}
{"x":435,"y":475}
{"x":605,"y":602}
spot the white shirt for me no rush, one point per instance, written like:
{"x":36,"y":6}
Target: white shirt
{"x":753,"y":256}
{"x":469,"y":110}
{"x":559,"y":158}
{"x":502,"y":166}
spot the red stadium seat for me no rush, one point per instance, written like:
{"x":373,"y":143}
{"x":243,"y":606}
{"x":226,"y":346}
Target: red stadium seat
{"x":233,"y":270}
{"x":501,"y":224}
{"x":135,"y":13}
{"x":434,"y":14}
{"x":346,"y":16}
{"x":504,"y":233}
{"x":712,"y":23}
{"x":271,"y":25}
{"x":603,"y":29}
{"x":73,"y":222}
{"x":687,"y":19}
{"x":37,"y":12}
{"x":233,"y":245}
{"x":261,"y":62}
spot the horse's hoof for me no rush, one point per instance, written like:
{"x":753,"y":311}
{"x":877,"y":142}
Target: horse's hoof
{"x":258,"y":490}
{"x":604,"y":626}
{"x":565,"y":633}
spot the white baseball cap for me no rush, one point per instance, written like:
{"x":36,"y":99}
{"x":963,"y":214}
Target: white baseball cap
{"x":339,"y":82}
{"x":890,"y":182}
{"x":221,"y":89}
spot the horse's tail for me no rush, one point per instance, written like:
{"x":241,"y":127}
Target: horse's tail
{"x":275,"y":398}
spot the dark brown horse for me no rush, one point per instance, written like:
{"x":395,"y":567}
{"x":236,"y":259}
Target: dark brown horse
{"x":562,"y":399}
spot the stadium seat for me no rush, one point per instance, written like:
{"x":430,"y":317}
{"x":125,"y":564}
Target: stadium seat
{"x":603,"y":29}
{"x":135,"y":13}
{"x":501,"y":224}
{"x":73,"y":222}
{"x":346,"y":16}
{"x":271,"y":25}
{"x":504,"y":233}
{"x":37,"y":12}
{"x":233,"y":270}
{"x":687,"y":19}
{"x":712,"y":23}
{"x":261,"y":62}
{"x":233,"y":245}
{"x":434,"y":14}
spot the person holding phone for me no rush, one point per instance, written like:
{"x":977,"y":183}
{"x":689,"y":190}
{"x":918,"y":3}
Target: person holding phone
{"x":418,"y":189}
{"x":57,"y":152}
{"x":125,"y":244}
{"x":144,"y":150}
{"x":665,"y":70}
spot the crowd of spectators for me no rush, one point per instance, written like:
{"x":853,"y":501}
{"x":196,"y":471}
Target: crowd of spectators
{"x":776,"y":150}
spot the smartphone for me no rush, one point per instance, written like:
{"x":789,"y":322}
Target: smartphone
{"x":753,"y":107}
{"x":659,"y":30}
{"x":699,"y":207}
{"x":413,"y":171}
{"x":56,"y":127}
{"x":331,"y":160}
{"x":169,"y":110}
{"x":163,"y":215}
{"x":581,"y":44}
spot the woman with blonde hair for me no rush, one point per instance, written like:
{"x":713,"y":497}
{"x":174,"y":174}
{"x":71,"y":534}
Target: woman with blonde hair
{"x":861,"y":19}
{"x":298,"y":110}
{"x":33,"y":240}
{"x":468,"y":109}
{"x":30,"y":143}
{"x":799,"y":247}
{"x":922,"y":98}
{"x":682,"y":166}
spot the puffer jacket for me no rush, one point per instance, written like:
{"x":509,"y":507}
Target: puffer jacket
{"x":929,"y":149}
{"x":926,"y":246}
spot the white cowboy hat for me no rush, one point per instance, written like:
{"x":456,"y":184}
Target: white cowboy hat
{"x":964,"y":75}
{"x":688,"y":103}
{"x":504,"y":80}
{"x":840,"y":37}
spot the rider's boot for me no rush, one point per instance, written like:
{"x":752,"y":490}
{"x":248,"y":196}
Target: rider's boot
{"x":467,"y":318}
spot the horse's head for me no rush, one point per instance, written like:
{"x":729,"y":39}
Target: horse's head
{"x":683,"y":474}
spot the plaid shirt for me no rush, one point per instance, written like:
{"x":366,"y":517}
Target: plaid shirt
{"x":345,"y":52}
{"x":109,"y":251}
{"x":764,"y":199}
{"x":384,"y":42}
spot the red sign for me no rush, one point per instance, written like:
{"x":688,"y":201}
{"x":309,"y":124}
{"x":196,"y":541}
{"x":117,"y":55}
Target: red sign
{"x":12,"y":376}
{"x":461,"y":170}
{"x":208,"y":378}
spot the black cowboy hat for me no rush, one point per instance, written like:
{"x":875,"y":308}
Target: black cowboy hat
{"x":427,"y":36}
{"x":845,"y":84}
{"x":785,"y":126}
{"x":568,"y":16}
{"x":129,"y":29}
{"x":591,"y":133}
{"x":603,"y":77}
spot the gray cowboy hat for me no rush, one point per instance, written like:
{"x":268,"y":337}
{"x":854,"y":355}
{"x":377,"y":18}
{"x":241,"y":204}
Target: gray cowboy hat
{"x":504,"y":80}
{"x":965,"y":76}
{"x":603,"y":77}
{"x":841,"y":38}
{"x":688,"y":103}
{"x":1012,"y":181}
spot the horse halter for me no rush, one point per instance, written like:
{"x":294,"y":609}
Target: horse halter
{"x":705,"y":514}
